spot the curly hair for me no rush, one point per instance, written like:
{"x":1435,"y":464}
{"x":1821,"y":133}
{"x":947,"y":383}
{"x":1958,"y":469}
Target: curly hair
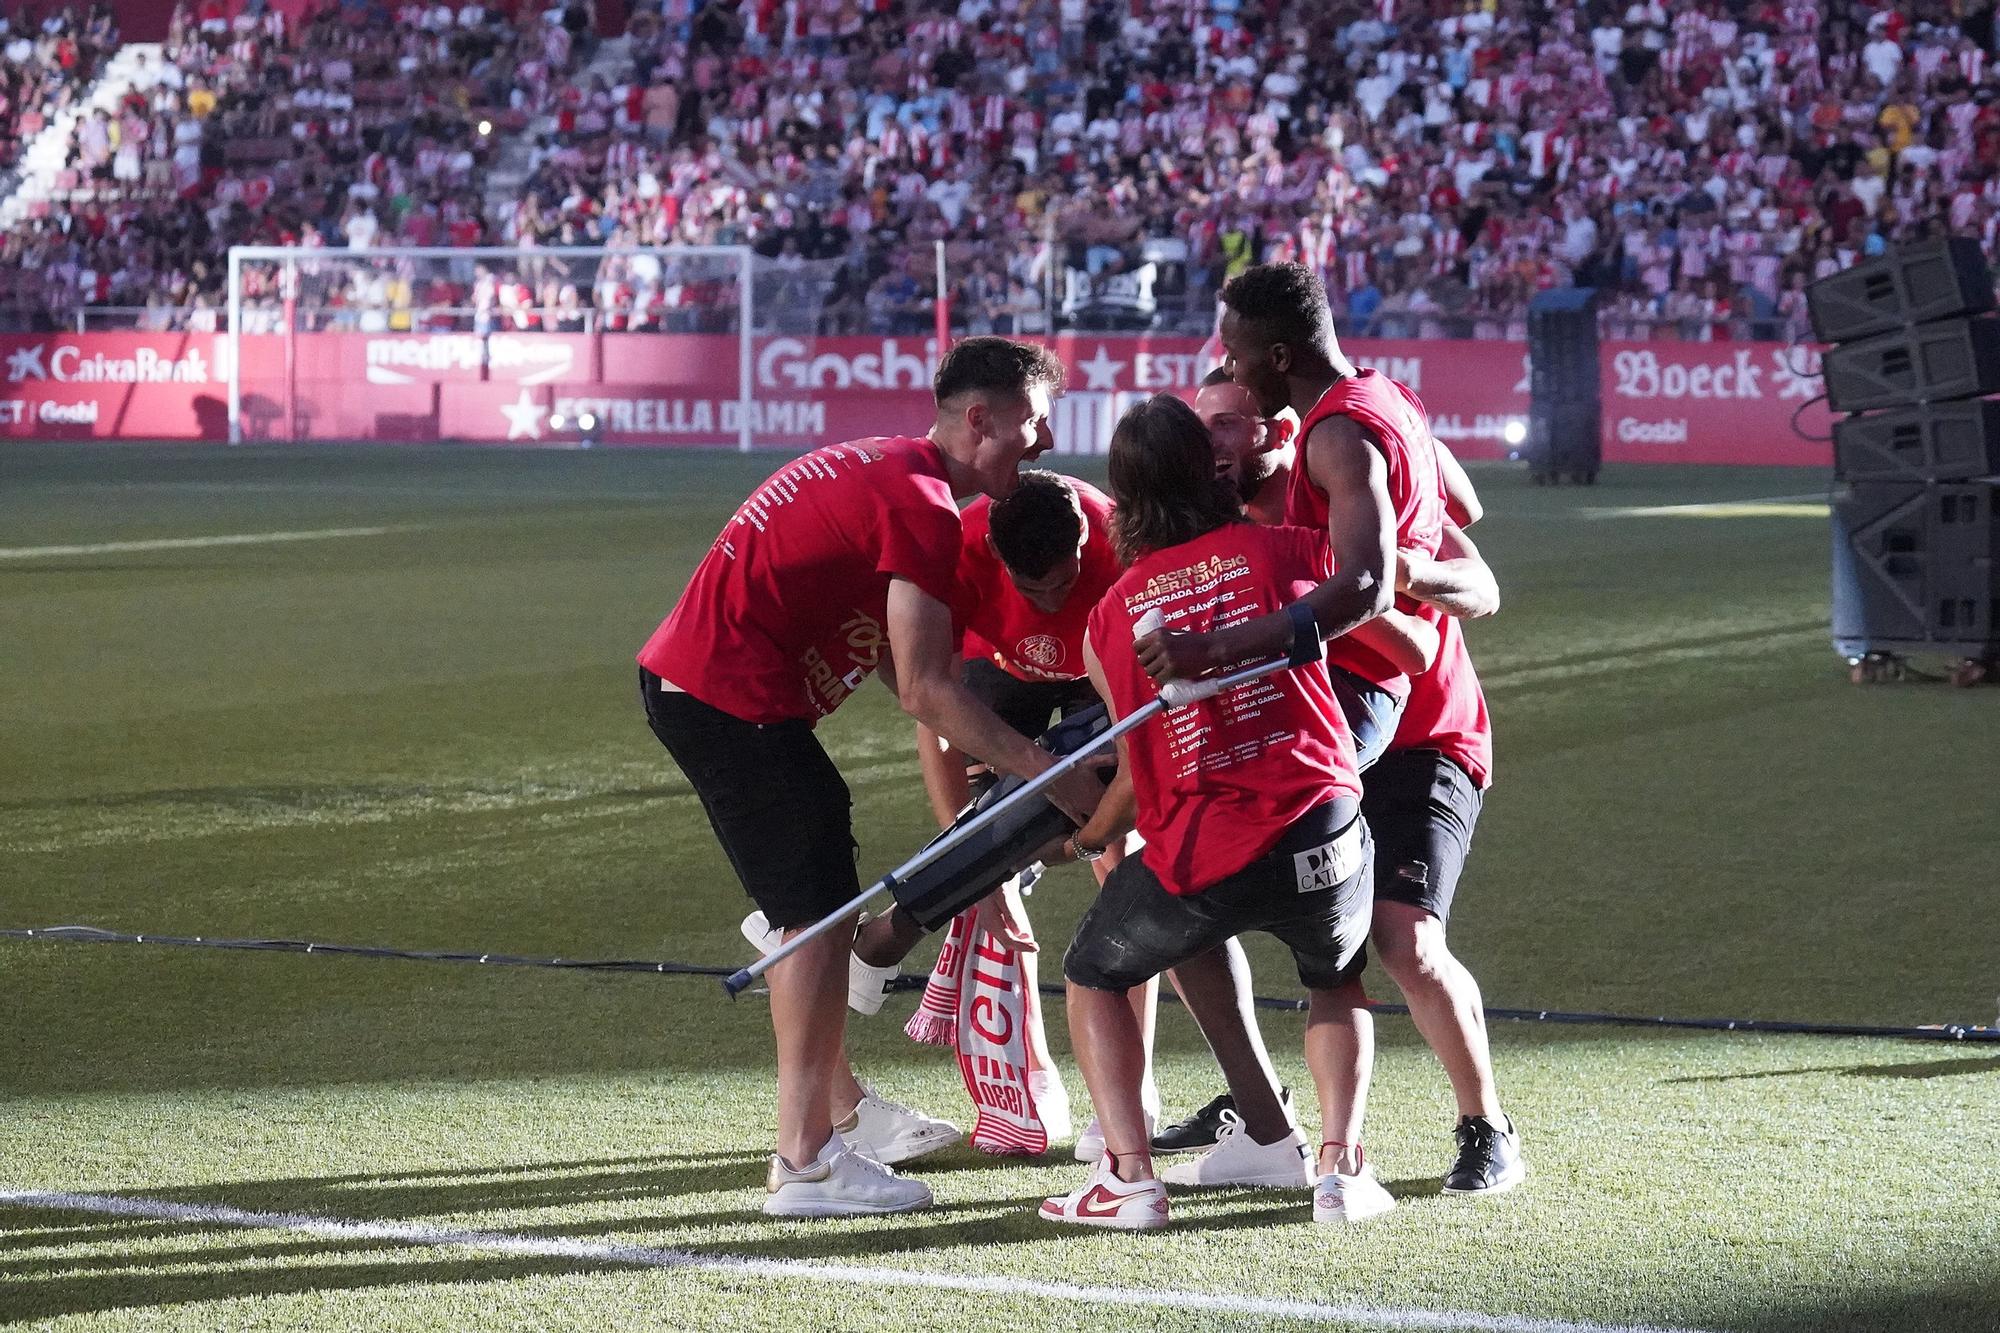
{"x":1287,"y":304}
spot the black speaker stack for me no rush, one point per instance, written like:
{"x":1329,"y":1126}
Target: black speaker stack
{"x":1565,"y":411}
{"x":1914,"y":351}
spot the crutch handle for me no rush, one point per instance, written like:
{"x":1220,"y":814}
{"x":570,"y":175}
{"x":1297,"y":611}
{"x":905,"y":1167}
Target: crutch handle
{"x":737,"y":982}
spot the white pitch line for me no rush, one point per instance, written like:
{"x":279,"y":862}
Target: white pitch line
{"x":643,"y":1256}
{"x":188,"y":543}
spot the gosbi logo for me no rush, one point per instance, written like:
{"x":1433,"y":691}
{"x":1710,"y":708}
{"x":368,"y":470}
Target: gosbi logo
{"x":1041,"y":650}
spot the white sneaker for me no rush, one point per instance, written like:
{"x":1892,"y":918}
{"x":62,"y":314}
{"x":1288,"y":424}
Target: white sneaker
{"x":840,"y":1183}
{"x":1354,"y":1198}
{"x":890,"y":1132}
{"x":1103,"y":1200}
{"x":1090,"y":1143}
{"x":867,"y":985}
{"x":1238,"y":1159}
{"x":1051,"y":1103}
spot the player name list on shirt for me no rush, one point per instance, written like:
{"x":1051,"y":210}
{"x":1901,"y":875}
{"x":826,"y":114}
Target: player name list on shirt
{"x":1209,"y":738}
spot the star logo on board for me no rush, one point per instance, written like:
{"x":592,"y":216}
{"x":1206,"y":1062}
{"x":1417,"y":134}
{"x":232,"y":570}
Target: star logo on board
{"x":25,"y":363}
{"x":524,"y":417}
{"x":1101,"y":371}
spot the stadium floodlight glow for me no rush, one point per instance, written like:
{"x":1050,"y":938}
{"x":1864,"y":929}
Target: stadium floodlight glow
{"x":588,"y":421}
{"x":1515,"y":432}
{"x":485,"y":128}
{"x":557,"y":421}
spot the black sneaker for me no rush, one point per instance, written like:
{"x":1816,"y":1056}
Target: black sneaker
{"x":1489,"y":1157}
{"x":1199,"y":1131}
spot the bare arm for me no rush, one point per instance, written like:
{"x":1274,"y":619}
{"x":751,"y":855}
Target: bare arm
{"x":1352,"y":472}
{"x":1117,"y":814}
{"x":1410,"y":643}
{"x":944,"y":775}
{"x":1461,"y":501}
{"x":1457,"y":581}
{"x":926,"y":681}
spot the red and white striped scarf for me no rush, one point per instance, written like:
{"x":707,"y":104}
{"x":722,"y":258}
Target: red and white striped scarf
{"x":978,"y":1000}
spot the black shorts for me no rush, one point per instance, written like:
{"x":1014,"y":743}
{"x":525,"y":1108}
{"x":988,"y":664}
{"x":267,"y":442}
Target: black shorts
{"x":1028,"y":706}
{"x":1137,"y":930}
{"x":777,"y":804}
{"x":1422,"y":808}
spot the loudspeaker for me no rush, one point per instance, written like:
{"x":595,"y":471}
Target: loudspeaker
{"x":1939,"y":442}
{"x":1918,"y":566}
{"x":1934,"y":279}
{"x":1562,"y":346}
{"x":1564,"y":437}
{"x":1953,"y":358}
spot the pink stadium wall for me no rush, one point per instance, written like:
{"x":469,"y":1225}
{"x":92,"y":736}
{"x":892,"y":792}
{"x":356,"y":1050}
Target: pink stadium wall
{"x":1680,"y":402}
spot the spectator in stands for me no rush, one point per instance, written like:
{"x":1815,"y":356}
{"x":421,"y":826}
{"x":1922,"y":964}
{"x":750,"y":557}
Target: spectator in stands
{"x":1438,"y":163}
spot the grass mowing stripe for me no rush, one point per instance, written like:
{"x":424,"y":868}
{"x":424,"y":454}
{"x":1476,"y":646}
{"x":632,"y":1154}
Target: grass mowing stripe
{"x":1764,"y":506}
{"x":1748,"y":645}
{"x":189,"y":543}
{"x":177,"y":817}
{"x":641,"y":1256}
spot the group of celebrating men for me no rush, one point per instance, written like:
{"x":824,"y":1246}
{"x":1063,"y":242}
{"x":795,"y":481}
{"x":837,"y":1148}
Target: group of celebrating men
{"x":1298,"y":501}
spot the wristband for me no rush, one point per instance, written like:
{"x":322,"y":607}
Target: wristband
{"x":1078,"y":851}
{"x":1306,"y":645}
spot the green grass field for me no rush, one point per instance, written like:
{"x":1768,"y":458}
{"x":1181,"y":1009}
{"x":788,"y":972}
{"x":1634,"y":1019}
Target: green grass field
{"x":426,"y":734}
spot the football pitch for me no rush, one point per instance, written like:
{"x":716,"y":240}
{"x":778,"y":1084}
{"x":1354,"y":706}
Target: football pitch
{"x":386,"y":697}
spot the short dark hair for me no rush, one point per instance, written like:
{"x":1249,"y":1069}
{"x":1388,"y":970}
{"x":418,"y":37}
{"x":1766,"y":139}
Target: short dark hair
{"x":1037,"y":524}
{"x":1215,"y":377}
{"x":1287,"y":303}
{"x":1163,"y":479}
{"x":995,"y":365}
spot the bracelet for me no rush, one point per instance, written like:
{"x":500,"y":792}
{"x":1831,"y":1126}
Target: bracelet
{"x":1079,"y":852}
{"x":1306,"y":645}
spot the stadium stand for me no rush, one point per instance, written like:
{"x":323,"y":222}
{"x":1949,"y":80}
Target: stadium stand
{"x":1440,"y":162}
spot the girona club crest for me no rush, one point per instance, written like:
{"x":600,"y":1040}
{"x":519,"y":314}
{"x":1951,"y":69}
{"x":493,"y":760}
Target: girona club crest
{"x":1044,"y":651}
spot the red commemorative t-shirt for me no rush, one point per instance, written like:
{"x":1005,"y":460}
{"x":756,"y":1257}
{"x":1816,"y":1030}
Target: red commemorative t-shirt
{"x":1006,"y":628}
{"x":1219,"y":781}
{"x":787,"y":613}
{"x":1395,"y":419}
{"x":1446,"y":711}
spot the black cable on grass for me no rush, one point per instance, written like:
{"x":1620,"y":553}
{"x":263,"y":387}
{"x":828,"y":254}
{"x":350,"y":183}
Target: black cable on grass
{"x":1800,"y":411}
{"x":908,"y":982}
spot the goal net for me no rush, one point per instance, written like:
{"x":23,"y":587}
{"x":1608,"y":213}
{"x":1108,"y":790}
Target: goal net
{"x":534,"y":346}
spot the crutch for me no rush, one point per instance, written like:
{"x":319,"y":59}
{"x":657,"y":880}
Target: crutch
{"x":1174,"y":694}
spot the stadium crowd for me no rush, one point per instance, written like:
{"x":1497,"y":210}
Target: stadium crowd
{"x":1439,"y":161}
{"x":45,"y":64}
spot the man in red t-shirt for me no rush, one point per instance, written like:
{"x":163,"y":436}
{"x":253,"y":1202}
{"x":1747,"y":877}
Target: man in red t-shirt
{"x":1366,"y":474}
{"x":838,"y":567}
{"x":1249,"y":803}
{"x":1032,"y":565}
{"x":1422,"y":800}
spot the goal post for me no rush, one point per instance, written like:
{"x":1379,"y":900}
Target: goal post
{"x":530,"y":345}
